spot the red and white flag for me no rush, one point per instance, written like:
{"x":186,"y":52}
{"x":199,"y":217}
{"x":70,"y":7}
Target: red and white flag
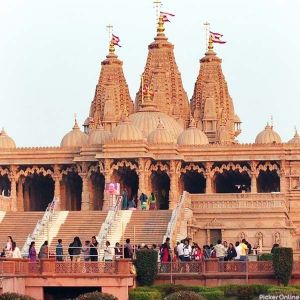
{"x":216,"y":37}
{"x":115,"y":39}
{"x":165,"y":16}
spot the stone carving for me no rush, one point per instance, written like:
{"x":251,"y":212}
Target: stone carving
{"x":277,"y":238}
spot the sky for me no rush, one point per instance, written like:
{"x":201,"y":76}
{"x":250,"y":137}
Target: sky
{"x":51,"y":51}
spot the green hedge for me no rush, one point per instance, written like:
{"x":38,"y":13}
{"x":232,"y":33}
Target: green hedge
{"x":96,"y":296}
{"x":288,"y":290}
{"x":213,"y":295}
{"x":144,"y":295}
{"x":283,"y":264}
{"x":14,"y":296}
{"x":265,"y":257}
{"x":146,"y":266}
{"x":184,"y":295}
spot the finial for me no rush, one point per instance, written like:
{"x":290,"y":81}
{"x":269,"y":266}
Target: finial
{"x":157,"y":5}
{"x":271,"y":121}
{"x":210,"y":46}
{"x":206,"y":31}
{"x":160,"y":25}
{"x":296,"y":132}
{"x":75,"y":122}
{"x":3,"y":132}
{"x":111,"y":47}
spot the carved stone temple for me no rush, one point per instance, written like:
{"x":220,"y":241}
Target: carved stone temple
{"x":165,"y":143}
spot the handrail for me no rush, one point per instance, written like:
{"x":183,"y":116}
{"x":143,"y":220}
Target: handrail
{"x":174,"y":217}
{"x":110,"y":218}
{"x":40,"y":226}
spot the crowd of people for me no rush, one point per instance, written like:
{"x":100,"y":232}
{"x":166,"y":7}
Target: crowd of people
{"x":184,"y":251}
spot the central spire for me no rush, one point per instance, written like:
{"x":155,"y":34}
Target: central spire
{"x":162,"y":76}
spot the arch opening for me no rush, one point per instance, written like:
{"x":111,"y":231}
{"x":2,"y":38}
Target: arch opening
{"x":128,"y":180}
{"x":160,"y":184}
{"x":38,"y":192}
{"x":232,"y":181}
{"x":5,"y":185}
{"x":268,"y":181}
{"x":97,"y":190}
{"x":71,"y":191}
{"x":193,"y":182}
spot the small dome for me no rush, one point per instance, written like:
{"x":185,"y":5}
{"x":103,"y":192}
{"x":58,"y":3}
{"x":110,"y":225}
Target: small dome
{"x":192,"y":136}
{"x":99,"y":136}
{"x":147,"y":122}
{"x":74,"y":138}
{"x":126,"y":132}
{"x":6,"y":142}
{"x":268,"y":136}
{"x":237,"y":119}
{"x":295,"y":139}
{"x":161,"y":136}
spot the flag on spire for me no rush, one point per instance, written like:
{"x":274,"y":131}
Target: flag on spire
{"x":216,"y":37}
{"x":165,"y":16}
{"x":115,"y":40}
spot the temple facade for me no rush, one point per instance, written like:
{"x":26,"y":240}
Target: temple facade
{"x":166,"y":144}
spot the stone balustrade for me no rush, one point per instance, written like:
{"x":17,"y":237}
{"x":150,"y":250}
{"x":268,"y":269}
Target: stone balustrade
{"x":242,"y":201}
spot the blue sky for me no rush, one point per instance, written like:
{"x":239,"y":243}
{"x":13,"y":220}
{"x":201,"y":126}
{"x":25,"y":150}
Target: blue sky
{"x":50,"y":55}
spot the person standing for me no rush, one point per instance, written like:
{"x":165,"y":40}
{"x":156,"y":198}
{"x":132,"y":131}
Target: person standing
{"x":108,"y":256}
{"x":94,"y":249}
{"x":8,"y":247}
{"x":220,"y":250}
{"x":244,"y":250}
{"x":59,"y":252}
{"x":231,"y":252}
{"x":86,"y":251}
{"x":180,"y":250}
{"x":187,"y":251}
{"x":32,"y":252}
{"x":128,"y":252}
{"x":75,"y":249}
{"x":16,"y":253}
{"x":124,"y":199}
{"x":143,"y":199}
{"x":44,"y":250}
{"x":152,"y":201}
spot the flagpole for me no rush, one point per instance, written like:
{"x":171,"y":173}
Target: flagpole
{"x":206,"y":29}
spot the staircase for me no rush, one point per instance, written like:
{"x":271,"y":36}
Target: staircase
{"x":19,"y":225}
{"x":140,"y":226}
{"x":84,"y":224}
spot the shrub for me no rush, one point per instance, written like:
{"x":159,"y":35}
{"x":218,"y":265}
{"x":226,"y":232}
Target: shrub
{"x":241,"y":291}
{"x":146,"y":266}
{"x":213,"y":295}
{"x":265,"y":257}
{"x":96,"y":296}
{"x":245,"y":292}
{"x":290,"y":290}
{"x":283,"y":264}
{"x":14,"y":296}
{"x":144,"y":295}
{"x":168,"y":289}
{"x":186,"y":295}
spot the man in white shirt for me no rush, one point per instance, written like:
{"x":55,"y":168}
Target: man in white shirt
{"x":180,"y":250}
{"x":238,"y":250}
{"x":220,"y":250}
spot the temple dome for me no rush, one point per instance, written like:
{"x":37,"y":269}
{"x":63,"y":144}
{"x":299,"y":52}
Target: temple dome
{"x":268,"y":136}
{"x":99,"y":136}
{"x":161,"y":136}
{"x":74,"y":138}
{"x":295,"y":139}
{"x":6,"y":141}
{"x":192,"y":136}
{"x":147,"y":122}
{"x":126,"y":132}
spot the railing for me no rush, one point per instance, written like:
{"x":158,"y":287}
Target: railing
{"x":174,"y":217}
{"x":23,"y":267}
{"x":40,"y":227}
{"x":207,"y":202}
{"x":215,"y":266}
{"x":109,"y":220}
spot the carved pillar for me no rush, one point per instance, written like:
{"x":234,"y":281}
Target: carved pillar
{"x":208,"y":176}
{"x":20,"y":196}
{"x":282,"y":177}
{"x":174,"y":178}
{"x":142,"y":183}
{"x":13,"y":189}
{"x":85,"y":195}
{"x":107,"y":178}
{"x":57,"y":195}
{"x":253,"y":177}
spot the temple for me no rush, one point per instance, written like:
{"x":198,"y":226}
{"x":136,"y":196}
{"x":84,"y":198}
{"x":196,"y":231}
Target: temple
{"x":185,"y":152}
